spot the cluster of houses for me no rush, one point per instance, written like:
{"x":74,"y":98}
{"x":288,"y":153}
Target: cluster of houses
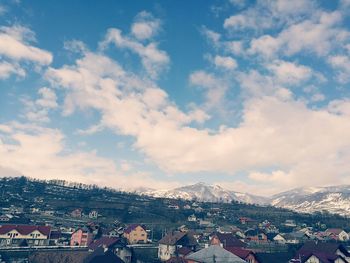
{"x":186,"y":245}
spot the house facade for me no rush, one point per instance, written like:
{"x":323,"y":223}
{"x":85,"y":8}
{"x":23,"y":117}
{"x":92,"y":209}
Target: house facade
{"x":24,"y":235}
{"x":170,"y":244}
{"x":136,"y":233}
{"x":81,"y":237}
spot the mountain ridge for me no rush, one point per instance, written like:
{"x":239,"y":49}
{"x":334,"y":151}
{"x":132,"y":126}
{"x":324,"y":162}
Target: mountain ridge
{"x":333,"y":199}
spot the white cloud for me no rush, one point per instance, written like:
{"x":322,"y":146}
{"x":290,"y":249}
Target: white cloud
{"x":145,"y":26}
{"x":225,"y":62}
{"x":38,"y":110}
{"x":289,"y":73}
{"x":342,"y":64}
{"x":266,"y":14}
{"x":42,"y":153}
{"x":318,"y":35}
{"x":153,"y":59}
{"x":7,"y":69}
{"x":15,"y":45}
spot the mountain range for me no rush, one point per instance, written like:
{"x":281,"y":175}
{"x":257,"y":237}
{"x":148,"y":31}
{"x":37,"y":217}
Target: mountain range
{"x":334,"y":199}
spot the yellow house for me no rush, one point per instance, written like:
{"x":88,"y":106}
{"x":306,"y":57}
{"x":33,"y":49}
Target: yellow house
{"x":136,"y":233}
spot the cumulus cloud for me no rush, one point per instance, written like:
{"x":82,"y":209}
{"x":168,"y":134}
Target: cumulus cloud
{"x":38,"y":110}
{"x":42,"y":153}
{"x":145,"y":26}
{"x":225,"y":62}
{"x":317,"y":35}
{"x":15,"y":44}
{"x":342,"y":64}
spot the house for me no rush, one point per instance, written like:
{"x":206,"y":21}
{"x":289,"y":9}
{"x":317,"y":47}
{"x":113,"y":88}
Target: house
{"x":116,"y":245}
{"x":296,"y":237}
{"x":226,"y":240}
{"x":81,"y":237}
{"x":77,"y":213}
{"x":170,"y":244}
{"x":290,"y":223}
{"x":93,"y":214}
{"x":24,"y":235}
{"x":6,"y":218}
{"x":214,"y":253}
{"x":256,"y":235}
{"x":245,"y":254}
{"x":101,"y":255}
{"x":246,"y":220}
{"x":192,"y":218}
{"x":136,"y":233}
{"x":320,"y":252}
{"x":337,"y":234}
{"x":280,"y":257}
{"x":276,"y":238}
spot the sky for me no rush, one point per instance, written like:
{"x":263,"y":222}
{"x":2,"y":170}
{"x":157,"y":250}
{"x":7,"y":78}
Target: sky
{"x":251,"y":95}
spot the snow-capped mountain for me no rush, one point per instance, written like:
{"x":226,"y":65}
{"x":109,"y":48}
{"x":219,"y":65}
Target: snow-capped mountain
{"x":334,"y":199}
{"x":204,"y":192}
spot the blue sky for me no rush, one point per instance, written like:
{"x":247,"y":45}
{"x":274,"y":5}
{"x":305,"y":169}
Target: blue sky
{"x":251,"y":95}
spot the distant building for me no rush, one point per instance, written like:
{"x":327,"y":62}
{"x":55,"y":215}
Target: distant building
{"x":170,"y":244}
{"x":136,"y":233}
{"x":192,"y":218}
{"x":24,"y":235}
{"x":226,"y":240}
{"x":337,"y":234}
{"x":213,"y":253}
{"x":93,"y":214}
{"x":245,"y":254}
{"x":81,"y":237}
{"x":77,"y":213}
{"x":312,"y":252}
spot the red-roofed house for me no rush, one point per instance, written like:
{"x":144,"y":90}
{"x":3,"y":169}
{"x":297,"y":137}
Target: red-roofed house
{"x":136,"y":233}
{"x":245,"y":254}
{"x":28,"y":235}
{"x":337,"y":234}
{"x":226,"y":240}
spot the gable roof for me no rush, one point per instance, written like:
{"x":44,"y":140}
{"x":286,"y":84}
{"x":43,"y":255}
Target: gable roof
{"x":133,"y":227}
{"x":241,"y":252}
{"x":103,"y":242}
{"x":280,"y":257}
{"x":336,"y":231}
{"x":216,"y":252}
{"x":322,"y":247}
{"x":99,"y":256}
{"x":323,"y":257}
{"x":229,"y":240}
{"x":25,"y":229}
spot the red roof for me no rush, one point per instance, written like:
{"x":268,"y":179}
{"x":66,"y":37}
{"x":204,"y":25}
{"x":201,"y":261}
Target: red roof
{"x":242,"y":253}
{"x":25,"y":229}
{"x":132,"y":227}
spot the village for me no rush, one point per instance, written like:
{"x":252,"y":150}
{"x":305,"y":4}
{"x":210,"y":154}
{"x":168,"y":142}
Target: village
{"x":32,"y":230}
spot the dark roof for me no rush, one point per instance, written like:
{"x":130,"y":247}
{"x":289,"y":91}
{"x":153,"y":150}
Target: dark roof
{"x":25,"y":229}
{"x":229,"y":240}
{"x":241,"y":252}
{"x":322,"y":247}
{"x":176,"y":260}
{"x":99,"y":256}
{"x":55,"y":234}
{"x":184,"y":251}
{"x":323,"y":257}
{"x":271,"y":236}
{"x":172,"y":238}
{"x":280,"y":257}
{"x":103,"y":242}
{"x":132,"y":227}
